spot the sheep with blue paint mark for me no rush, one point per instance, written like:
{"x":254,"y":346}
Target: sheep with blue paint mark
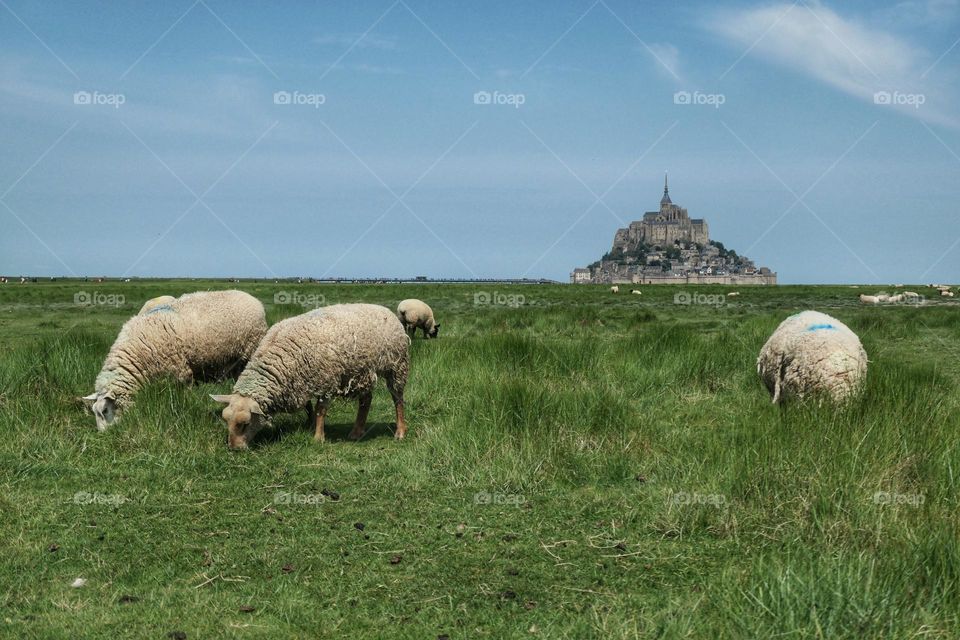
{"x":153,"y":303}
{"x":204,"y":335}
{"x":812,"y":354}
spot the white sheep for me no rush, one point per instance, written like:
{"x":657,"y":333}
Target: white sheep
{"x":812,"y":353}
{"x":733,"y":294}
{"x":331,"y":352}
{"x":636,"y":292}
{"x":865,"y":299}
{"x":153,"y":303}
{"x":197,"y":336}
{"x":946,"y":293}
{"x":614,"y":289}
{"x":416,"y":314}
{"x":910,"y":295}
{"x":897,"y":299}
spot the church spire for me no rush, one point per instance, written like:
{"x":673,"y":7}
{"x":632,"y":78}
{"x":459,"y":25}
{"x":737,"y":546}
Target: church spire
{"x":666,"y":191}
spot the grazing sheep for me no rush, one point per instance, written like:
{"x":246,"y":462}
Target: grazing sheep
{"x":197,"y":336}
{"x":946,"y":293}
{"x":882,"y":297}
{"x":331,"y":352}
{"x":865,"y":299}
{"x":614,"y":289}
{"x":811,"y":353}
{"x":155,"y":302}
{"x":636,"y":292}
{"x":895,"y":299}
{"x":733,"y":293}
{"x":416,"y":314}
{"x":910,"y":295}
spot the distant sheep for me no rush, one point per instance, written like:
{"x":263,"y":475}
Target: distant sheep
{"x":614,"y":289}
{"x":865,"y":299}
{"x":152,"y":303}
{"x":197,"y":336}
{"x":332,"y":352}
{"x":910,"y":295}
{"x":812,"y":353}
{"x":895,"y":299}
{"x":733,"y":294}
{"x":946,"y":293}
{"x":416,"y":314}
{"x":636,"y":292}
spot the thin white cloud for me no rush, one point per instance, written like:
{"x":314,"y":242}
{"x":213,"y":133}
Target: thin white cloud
{"x":920,"y":13}
{"x":842,"y":52}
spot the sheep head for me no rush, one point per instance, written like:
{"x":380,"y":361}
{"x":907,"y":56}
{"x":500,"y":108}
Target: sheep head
{"x":243,"y":417}
{"x":104,"y":407}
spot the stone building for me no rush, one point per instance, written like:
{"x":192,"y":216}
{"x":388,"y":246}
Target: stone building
{"x":664,"y":227}
{"x":670,"y":247}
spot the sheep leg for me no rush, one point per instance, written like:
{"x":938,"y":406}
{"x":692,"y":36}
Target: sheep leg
{"x":396,"y":391}
{"x":363,"y":410}
{"x":320,"y":413}
{"x":311,"y":416}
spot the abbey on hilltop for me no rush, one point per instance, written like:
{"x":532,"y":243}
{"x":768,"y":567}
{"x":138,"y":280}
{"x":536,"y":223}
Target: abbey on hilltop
{"x":669,"y":247}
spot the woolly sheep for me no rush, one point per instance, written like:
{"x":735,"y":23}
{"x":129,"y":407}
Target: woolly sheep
{"x":416,"y":314}
{"x":614,"y":289}
{"x":911,"y":295}
{"x":946,"y":293}
{"x":812,"y":353}
{"x":636,"y":292}
{"x":155,"y":302}
{"x":865,"y":299}
{"x":895,"y":299}
{"x":330,"y":352}
{"x":733,"y":293}
{"x":197,"y":336}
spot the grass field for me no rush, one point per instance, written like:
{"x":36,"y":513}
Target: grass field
{"x":579,"y":464}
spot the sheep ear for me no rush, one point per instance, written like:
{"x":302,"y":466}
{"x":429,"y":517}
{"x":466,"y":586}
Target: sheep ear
{"x":89,"y":400}
{"x":256,"y":409}
{"x":224,"y":399}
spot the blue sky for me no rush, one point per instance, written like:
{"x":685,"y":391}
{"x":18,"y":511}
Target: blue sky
{"x":382,"y":164}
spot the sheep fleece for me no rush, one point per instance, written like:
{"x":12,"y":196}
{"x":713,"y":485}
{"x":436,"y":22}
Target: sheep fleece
{"x":812,"y":353}
{"x":197,"y":335}
{"x":335,"y":351}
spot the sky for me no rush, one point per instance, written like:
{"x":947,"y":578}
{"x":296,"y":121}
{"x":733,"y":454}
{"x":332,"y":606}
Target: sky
{"x":475,"y":139}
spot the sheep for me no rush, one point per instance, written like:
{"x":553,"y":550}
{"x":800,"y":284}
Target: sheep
{"x":865,"y":299}
{"x":882,"y":297}
{"x":897,"y":299}
{"x":946,"y":293}
{"x":416,"y":314}
{"x":910,"y":295}
{"x":811,"y":353}
{"x":733,"y":293}
{"x":614,"y":289}
{"x":155,"y":302}
{"x":197,"y":336}
{"x":636,"y":292}
{"x":330,"y":352}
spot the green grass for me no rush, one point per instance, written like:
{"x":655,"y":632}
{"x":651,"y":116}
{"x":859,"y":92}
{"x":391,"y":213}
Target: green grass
{"x":582,"y":465}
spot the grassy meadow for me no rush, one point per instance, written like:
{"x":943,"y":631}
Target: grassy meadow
{"x":579,"y":464}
